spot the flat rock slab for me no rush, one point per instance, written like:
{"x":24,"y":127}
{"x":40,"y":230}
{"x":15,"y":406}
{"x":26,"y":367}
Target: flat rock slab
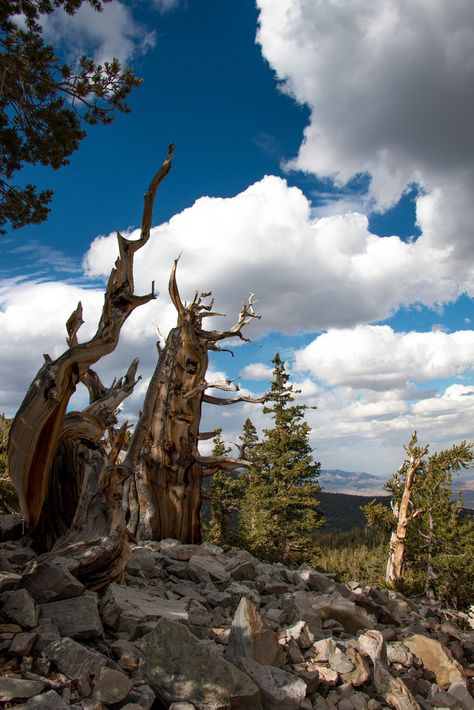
{"x":179,"y":669}
{"x":214,"y":568}
{"x":17,"y":688}
{"x":279,"y":690}
{"x":351,"y":616}
{"x":436,"y":658}
{"x":51,"y":581}
{"x":126,"y":608}
{"x":77,"y":617}
{"x":74,"y":660}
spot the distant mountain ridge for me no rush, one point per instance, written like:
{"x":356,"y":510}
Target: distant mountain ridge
{"x":335,"y":480}
{"x":359,"y":483}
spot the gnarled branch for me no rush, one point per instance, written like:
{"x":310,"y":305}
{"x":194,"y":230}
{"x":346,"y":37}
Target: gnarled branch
{"x":245,"y":316}
{"x":221,"y":401}
{"x":36,"y":429}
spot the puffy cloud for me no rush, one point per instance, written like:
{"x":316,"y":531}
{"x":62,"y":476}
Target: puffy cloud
{"x":32,"y":322}
{"x":366,"y":430}
{"x":377,"y":357}
{"x":396,"y":103}
{"x":113,"y":32}
{"x":353,"y":427}
{"x":256,"y":371}
{"x":308,"y":273}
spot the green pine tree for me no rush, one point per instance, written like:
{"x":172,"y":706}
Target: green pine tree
{"x":439,"y":543}
{"x":223,"y":492}
{"x":249,"y":508}
{"x":47,"y":99}
{"x":279,"y":509}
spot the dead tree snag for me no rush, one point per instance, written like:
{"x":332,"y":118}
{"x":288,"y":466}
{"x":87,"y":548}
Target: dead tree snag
{"x":164,"y":494}
{"x":402,"y":513}
{"x":78,"y":489}
{"x":51,"y":452}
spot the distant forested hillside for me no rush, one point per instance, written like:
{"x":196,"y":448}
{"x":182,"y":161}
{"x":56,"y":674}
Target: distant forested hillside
{"x":342,"y":511}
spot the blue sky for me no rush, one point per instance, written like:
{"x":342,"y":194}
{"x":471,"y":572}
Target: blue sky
{"x":325,"y":161}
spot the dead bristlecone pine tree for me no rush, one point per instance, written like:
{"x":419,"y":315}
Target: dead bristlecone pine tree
{"x":81,"y":496}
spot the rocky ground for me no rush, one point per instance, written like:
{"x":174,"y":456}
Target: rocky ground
{"x":195,"y":627}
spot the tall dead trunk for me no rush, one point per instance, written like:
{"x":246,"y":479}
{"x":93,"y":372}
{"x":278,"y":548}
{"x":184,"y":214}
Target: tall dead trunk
{"x":164,"y":497}
{"x":395,"y":562}
{"x":66,"y":474}
{"x":67,"y":468}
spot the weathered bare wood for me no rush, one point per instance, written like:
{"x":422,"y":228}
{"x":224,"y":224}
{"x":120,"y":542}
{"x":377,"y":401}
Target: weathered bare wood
{"x":165,"y":497}
{"x":396,"y":557}
{"x":206,"y":435}
{"x":37,"y":427}
{"x":66,"y":467}
{"x":96,"y":543}
{"x":222,"y":401}
{"x":213,"y":464}
{"x":70,"y":470}
{"x":393,"y":690}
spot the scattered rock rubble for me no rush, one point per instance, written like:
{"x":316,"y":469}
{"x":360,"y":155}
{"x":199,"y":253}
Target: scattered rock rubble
{"x":194,"y":627}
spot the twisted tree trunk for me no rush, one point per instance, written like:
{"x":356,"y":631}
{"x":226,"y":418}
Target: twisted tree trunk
{"x":75,"y":492}
{"x":66,"y":474}
{"x":164,"y":495}
{"x":396,"y":557}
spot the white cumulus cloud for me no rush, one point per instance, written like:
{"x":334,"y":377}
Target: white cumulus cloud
{"x":308,"y":273}
{"x":256,"y":371}
{"x":111,"y":33}
{"x":377,"y":357}
{"x":389,"y":87}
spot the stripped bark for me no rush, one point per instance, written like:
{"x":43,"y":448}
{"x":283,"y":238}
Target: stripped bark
{"x":402,"y":513}
{"x":68,"y":477}
{"x":164,"y":498}
{"x":68,"y":468}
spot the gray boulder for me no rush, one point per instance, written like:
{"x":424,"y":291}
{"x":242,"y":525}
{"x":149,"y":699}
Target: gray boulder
{"x":279,"y":690}
{"x":74,"y":660}
{"x":111,"y":686}
{"x":51,"y":581}
{"x":47,"y":701}
{"x":213,"y":567}
{"x":299,"y":607}
{"x":18,"y":688}
{"x":20,"y":607}
{"x":351,"y":616}
{"x":179,"y":669}
{"x":77,"y":617}
{"x":315,"y":581}
{"x":129,"y":609}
